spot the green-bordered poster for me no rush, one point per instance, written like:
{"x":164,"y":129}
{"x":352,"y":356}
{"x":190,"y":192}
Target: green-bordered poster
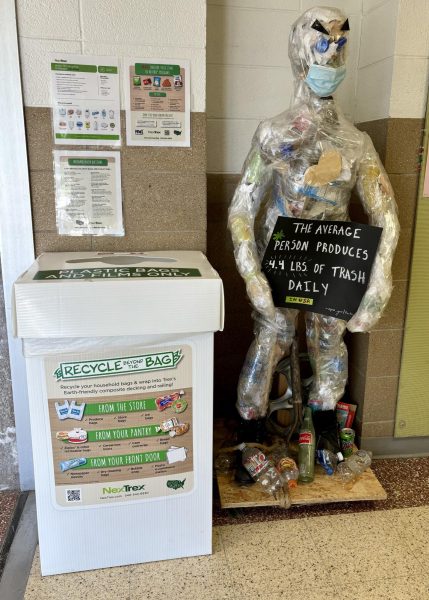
{"x":85,"y":100}
{"x":121,"y":425}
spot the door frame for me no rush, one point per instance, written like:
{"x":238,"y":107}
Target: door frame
{"x":16,"y":229}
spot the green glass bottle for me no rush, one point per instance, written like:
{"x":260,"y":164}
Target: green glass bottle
{"x":307,"y":448}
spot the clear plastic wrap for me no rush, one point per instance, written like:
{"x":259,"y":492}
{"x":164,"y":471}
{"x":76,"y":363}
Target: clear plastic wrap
{"x":328,"y":358}
{"x":305,"y":163}
{"x":376,"y":194}
{"x":32,"y":347}
{"x":272,"y":340}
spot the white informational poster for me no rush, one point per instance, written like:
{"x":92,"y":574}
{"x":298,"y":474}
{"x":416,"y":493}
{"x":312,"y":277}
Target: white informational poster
{"x":85,"y":100}
{"x":157,"y":101}
{"x":88,"y":195}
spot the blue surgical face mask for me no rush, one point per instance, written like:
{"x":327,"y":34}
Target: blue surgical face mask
{"x":324,"y":80}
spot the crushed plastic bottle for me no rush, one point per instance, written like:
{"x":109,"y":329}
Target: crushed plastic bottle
{"x":261,"y":469}
{"x":350,"y":470}
{"x":328,"y":460}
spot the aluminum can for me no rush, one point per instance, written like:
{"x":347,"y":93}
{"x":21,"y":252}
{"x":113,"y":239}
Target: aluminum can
{"x":347,"y":437}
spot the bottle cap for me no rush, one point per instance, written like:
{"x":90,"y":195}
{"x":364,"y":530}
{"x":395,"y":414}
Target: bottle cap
{"x":322,"y":45}
{"x":242,"y":446}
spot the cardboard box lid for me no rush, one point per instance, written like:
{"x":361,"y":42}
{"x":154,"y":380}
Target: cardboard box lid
{"x":86,"y":294}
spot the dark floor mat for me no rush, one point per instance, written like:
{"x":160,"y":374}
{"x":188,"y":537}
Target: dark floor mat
{"x":11,"y":505}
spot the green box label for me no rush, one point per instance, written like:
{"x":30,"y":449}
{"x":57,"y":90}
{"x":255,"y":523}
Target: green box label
{"x":126,"y":433}
{"x":105,"y":69}
{"x":85,"y":136}
{"x":70,"y":67}
{"x":88,"y":162}
{"x":127,"y":406}
{"x":153,"y":69}
{"x":116,"y":273}
{"x":124,"y":460}
{"x":297,"y":300}
{"x":116,"y":366}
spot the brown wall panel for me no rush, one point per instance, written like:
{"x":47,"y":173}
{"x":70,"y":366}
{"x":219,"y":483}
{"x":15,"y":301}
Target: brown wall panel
{"x":164,"y":193}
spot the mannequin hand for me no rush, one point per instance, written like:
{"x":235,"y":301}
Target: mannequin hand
{"x":260,"y":295}
{"x":370,"y":309}
{"x":362,"y":322}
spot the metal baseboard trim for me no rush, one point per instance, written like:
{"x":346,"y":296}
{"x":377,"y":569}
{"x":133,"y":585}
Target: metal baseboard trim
{"x":20,"y":558}
{"x":388,"y":447}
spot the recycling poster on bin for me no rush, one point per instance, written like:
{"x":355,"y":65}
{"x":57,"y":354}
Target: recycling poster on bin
{"x":320,"y":266}
{"x":121,"y":425}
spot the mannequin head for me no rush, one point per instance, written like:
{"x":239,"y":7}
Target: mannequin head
{"x":317,"y":49}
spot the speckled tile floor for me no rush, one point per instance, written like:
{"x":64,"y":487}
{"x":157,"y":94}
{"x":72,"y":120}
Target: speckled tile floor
{"x":347,"y":551}
{"x":382,"y":555}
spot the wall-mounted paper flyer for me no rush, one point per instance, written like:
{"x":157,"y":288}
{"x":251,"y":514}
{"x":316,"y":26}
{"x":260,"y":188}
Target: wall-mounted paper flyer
{"x":88,"y":193}
{"x":157,"y":99}
{"x":85,"y":100}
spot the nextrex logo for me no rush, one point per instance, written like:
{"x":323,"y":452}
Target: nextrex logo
{"x":124,"y":488}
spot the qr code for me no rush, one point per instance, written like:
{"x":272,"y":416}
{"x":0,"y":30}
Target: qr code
{"x":74,"y":495}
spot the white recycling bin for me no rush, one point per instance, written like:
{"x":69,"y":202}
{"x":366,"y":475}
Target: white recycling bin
{"x":119,"y":358}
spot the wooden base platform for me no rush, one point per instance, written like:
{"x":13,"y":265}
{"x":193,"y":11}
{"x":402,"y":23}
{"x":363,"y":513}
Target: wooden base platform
{"x":323,"y":490}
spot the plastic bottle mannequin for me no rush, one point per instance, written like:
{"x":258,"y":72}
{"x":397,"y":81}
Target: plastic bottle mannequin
{"x":304,"y":163}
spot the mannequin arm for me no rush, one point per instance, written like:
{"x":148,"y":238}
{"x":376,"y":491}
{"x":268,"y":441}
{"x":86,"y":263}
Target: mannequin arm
{"x":241,"y":219}
{"x":274,"y":144}
{"x":377,"y":197}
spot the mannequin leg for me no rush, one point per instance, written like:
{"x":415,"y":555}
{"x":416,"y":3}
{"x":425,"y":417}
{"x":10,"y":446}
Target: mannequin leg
{"x":272,"y":341}
{"x":328,"y":357}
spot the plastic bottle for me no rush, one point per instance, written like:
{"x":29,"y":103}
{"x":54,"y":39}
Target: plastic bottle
{"x":224,"y":462}
{"x":354,"y":466}
{"x":261,"y":469}
{"x":328,"y":460}
{"x":307,"y":448}
{"x":285,"y":465}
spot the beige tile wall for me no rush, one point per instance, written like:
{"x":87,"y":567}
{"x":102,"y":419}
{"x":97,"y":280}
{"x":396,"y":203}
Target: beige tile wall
{"x":164,"y":193}
{"x":374,"y":359}
{"x":248,"y":70}
{"x":126,"y":28}
{"x":393,"y":60}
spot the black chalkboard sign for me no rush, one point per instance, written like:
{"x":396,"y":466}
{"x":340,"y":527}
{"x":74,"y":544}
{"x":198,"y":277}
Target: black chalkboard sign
{"x":320,"y":266}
